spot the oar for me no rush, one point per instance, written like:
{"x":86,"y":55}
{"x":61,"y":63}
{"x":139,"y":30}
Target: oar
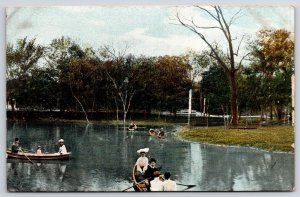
{"x":26,"y":156}
{"x":135,"y":184}
{"x":188,"y":186}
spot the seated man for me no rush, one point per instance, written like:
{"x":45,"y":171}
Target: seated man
{"x":156,"y":184}
{"x":15,"y":146}
{"x":149,"y":173}
{"x":169,"y":185}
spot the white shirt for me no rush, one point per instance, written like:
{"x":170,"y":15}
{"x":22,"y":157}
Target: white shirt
{"x":62,"y":149}
{"x":169,"y":185}
{"x":156,"y":185}
{"x":142,"y":162}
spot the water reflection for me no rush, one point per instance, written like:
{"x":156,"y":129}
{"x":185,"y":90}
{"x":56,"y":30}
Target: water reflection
{"x":103,"y":157}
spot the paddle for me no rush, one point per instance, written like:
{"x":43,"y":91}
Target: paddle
{"x":26,"y":156}
{"x":188,"y":186}
{"x":135,"y":184}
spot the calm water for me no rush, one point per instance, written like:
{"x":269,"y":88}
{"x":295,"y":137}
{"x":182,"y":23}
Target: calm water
{"x":103,"y":157}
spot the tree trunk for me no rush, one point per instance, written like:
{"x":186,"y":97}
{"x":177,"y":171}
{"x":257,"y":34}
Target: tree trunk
{"x":234,"y":112}
{"x":271,"y":112}
{"x":13,"y":111}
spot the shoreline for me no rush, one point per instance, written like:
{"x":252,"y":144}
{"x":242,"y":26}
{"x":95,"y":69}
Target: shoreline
{"x":233,"y":144}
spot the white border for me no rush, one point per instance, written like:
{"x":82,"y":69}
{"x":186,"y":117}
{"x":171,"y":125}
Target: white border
{"x":20,"y":3}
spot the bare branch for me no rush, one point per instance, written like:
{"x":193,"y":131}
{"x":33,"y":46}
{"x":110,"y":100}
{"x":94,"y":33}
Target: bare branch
{"x":240,"y":63}
{"x":207,"y":12}
{"x":211,"y":27}
{"x":237,"y":51}
{"x":234,"y":17}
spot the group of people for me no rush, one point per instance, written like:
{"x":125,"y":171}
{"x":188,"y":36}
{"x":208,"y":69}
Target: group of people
{"x":148,"y":171}
{"x":15,"y":148}
{"x":158,"y":132}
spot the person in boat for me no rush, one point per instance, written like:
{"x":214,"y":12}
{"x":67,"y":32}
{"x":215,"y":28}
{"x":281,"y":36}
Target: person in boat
{"x":169,"y":185}
{"x":141,"y":163}
{"x":161,"y":134}
{"x":62,"y":148}
{"x":38,"y":150}
{"x":15,"y":148}
{"x":149,"y":173}
{"x":156,"y":184}
{"x":132,"y":126}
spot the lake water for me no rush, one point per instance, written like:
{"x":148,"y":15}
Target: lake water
{"x":103,"y":157}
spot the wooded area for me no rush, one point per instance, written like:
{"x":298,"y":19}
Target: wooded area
{"x":68,"y":77}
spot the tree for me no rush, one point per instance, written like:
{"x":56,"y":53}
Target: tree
{"x":21,"y":60}
{"x":120,"y":71}
{"x":272,"y":54}
{"x":216,"y":89}
{"x":172,"y":82}
{"x":228,"y":62}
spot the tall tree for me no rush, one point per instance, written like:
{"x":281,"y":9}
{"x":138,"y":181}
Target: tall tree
{"x":273,"y":56}
{"x":120,"y":71}
{"x":21,"y":60}
{"x":229,"y":64}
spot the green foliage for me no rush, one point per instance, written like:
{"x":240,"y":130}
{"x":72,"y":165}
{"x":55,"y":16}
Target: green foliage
{"x":216,"y":89}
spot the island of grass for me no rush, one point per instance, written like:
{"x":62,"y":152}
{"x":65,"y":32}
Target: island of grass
{"x":279,"y":138}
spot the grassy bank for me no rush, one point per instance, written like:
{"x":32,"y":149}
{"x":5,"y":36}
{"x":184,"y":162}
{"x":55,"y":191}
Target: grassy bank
{"x":269,"y":138}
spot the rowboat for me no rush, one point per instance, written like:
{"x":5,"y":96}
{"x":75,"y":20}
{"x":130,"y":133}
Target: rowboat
{"x":138,"y":186}
{"x":152,"y":132}
{"x":157,"y":133}
{"x":33,"y":156}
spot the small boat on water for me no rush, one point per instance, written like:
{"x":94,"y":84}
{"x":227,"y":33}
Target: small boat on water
{"x":138,"y":186}
{"x":152,"y":132}
{"x":34,"y":156}
{"x":157,"y":133}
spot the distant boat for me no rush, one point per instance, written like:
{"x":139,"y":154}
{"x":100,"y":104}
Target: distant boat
{"x":157,"y":133}
{"x":33,"y":156}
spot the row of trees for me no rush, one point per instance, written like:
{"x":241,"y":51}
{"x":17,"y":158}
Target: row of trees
{"x":66,"y":76}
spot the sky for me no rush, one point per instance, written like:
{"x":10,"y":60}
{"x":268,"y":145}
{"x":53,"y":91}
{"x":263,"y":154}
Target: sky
{"x":147,"y":30}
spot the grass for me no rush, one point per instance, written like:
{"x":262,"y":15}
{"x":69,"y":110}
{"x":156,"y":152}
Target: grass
{"x":279,"y":138}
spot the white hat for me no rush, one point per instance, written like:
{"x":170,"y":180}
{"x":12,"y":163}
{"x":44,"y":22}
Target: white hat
{"x":145,"y":150}
{"x":61,"y":140}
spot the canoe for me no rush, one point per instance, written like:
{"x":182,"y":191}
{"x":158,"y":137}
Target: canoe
{"x":33,"y":156}
{"x":141,"y":187}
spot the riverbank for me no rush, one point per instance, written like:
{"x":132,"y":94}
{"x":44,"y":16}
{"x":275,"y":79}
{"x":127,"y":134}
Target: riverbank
{"x":278,"y":138}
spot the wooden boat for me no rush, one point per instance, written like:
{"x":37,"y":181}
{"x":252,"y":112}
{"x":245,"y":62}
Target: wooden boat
{"x":152,"y":132}
{"x":33,"y":156}
{"x":139,"y":187}
{"x":132,"y":128}
{"x":157,"y":133}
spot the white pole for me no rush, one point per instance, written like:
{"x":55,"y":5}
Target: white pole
{"x":190,"y":106}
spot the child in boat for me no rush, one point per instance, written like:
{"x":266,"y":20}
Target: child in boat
{"x":38,"y":150}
